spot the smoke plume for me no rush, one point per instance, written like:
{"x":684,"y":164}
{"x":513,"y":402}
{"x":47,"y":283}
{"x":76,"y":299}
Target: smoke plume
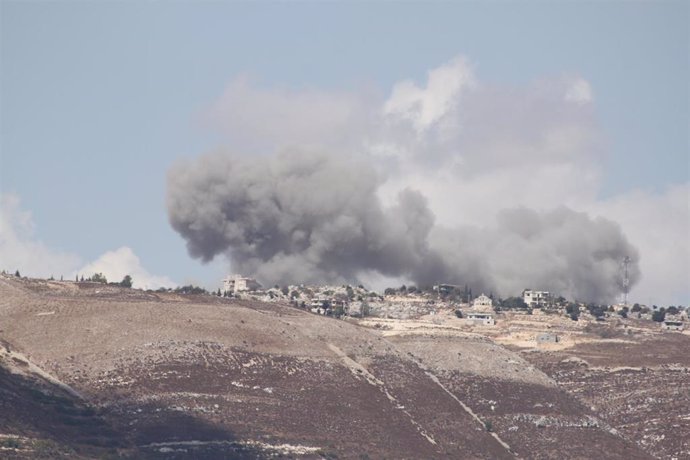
{"x":305,"y":216}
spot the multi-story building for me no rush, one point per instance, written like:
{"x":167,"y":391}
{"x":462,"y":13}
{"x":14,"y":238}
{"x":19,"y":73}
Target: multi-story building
{"x":536,"y":298}
{"x":238,"y":283}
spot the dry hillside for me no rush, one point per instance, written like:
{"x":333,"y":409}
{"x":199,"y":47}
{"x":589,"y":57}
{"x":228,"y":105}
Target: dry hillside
{"x":121,"y":372}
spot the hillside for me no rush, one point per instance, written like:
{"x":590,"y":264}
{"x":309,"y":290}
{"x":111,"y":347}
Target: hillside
{"x":173,"y":376}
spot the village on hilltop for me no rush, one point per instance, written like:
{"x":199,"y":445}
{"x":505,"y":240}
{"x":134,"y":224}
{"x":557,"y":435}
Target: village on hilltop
{"x":411,"y":302}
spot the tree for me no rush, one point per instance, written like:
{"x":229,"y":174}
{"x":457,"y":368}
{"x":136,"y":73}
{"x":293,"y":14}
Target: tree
{"x":365,"y":309}
{"x":573,"y":310}
{"x":672,"y":310}
{"x":389,"y":291}
{"x":17,"y":274}
{"x":285,"y":290}
{"x":659,"y":315}
{"x":126,"y":281}
{"x":636,"y":307}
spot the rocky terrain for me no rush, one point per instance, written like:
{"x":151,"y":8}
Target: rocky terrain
{"x":641,"y":387}
{"x":95,"y":371}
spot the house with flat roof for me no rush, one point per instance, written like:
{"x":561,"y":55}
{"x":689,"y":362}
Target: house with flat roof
{"x":535,"y":299}
{"x":486,"y":319}
{"x":234,"y":284}
{"x":547,"y":337}
{"x":672,"y":325}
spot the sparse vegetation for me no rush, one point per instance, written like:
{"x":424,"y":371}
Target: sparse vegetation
{"x":271,"y":328}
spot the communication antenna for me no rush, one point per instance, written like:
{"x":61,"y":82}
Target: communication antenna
{"x":626,"y":280}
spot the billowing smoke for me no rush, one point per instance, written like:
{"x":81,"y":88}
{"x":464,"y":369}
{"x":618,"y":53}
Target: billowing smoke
{"x":305,"y":217}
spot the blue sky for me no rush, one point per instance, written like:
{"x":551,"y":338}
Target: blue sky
{"x":98,"y":100}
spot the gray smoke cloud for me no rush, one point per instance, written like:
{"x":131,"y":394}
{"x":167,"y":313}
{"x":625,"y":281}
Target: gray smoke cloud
{"x":307,"y":217}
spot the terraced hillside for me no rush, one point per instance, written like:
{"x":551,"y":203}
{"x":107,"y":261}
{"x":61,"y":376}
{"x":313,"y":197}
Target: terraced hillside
{"x":640,"y":386}
{"x":171,"y":376}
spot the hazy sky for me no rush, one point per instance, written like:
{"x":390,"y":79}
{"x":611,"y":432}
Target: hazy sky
{"x":98,"y":101}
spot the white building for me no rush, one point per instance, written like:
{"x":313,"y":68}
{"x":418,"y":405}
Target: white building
{"x":481,"y":318}
{"x":535,"y":298}
{"x":238,"y":283}
{"x":672,"y":326}
{"x":482,"y":301}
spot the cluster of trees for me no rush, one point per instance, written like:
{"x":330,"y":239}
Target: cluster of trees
{"x":513,"y":303}
{"x":190,"y":289}
{"x":659,"y":315}
{"x":402,"y":290}
{"x":100,"y":278}
{"x":599,"y":311}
